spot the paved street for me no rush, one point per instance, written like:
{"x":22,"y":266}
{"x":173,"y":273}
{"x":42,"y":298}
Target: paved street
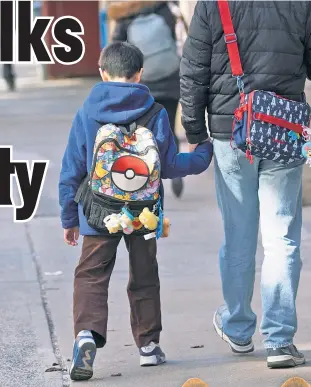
{"x":36,"y":275}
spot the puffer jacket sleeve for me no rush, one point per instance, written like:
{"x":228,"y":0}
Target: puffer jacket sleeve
{"x":308,"y":43}
{"x":195,"y":72}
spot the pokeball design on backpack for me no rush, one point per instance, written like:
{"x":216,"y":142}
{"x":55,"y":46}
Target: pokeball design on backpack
{"x":129,"y":173}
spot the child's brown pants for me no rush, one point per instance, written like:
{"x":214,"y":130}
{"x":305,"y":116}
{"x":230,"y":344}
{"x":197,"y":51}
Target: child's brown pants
{"x":92,"y":275}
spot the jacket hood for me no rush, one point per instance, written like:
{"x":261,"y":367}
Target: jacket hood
{"x":125,"y":9}
{"x":117,"y":103}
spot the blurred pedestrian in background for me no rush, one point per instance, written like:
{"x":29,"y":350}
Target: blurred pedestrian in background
{"x":181,"y":28}
{"x":36,"y":8}
{"x":9,"y":76}
{"x":151,"y":26}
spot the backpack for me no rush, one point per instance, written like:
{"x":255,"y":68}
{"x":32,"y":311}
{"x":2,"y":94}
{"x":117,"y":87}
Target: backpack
{"x":125,"y":177}
{"x":151,"y":34}
{"x":265,"y":124}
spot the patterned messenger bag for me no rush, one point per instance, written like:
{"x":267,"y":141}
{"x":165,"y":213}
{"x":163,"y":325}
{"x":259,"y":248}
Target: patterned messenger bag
{"x":265,"y":124}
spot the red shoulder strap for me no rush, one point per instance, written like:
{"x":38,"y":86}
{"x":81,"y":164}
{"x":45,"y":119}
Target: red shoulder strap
{"x":230,"y":38}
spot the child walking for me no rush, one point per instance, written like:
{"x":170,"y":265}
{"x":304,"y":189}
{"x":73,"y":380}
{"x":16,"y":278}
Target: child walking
{"x":120,"y":147}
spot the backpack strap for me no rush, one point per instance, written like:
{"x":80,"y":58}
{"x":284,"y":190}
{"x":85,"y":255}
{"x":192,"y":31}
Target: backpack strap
{"x":143,"y":120}
{"x":82,"y":188}
{"x":231,"y":42}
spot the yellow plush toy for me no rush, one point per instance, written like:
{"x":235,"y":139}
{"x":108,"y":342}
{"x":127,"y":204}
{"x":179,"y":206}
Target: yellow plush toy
{"x":112,"y":222}
{"x":148,"y":219}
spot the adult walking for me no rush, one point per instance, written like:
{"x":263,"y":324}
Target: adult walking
{"x":275,"y":48}
{"x":150,"y":25}
{"x":9,"y":76}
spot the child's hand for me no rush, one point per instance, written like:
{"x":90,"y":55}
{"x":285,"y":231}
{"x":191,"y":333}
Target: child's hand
{"x":71,"y":236}
{"x":192,"y":147}
{"x":205,"y":150}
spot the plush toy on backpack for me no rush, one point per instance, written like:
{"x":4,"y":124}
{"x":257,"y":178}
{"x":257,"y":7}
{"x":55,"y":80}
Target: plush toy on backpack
{"x":166,"y":228}
{"x":112,"y":223}
{"x":126,"y":219}
{"x":148,"y":219}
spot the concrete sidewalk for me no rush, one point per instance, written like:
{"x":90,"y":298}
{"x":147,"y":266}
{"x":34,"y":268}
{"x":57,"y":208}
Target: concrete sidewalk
{"x":37,"y":272}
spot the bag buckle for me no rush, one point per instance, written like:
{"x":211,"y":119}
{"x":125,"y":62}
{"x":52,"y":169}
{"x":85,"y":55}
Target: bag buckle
{"x":239,"y":82}
{"x":230,"y":38}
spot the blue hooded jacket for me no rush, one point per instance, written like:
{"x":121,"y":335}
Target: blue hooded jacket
{"x":118,"y":103}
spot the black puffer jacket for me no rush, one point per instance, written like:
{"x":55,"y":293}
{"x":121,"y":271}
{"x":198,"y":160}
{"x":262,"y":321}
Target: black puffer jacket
{"x":166,"y":87}
{"x":275,"y":49}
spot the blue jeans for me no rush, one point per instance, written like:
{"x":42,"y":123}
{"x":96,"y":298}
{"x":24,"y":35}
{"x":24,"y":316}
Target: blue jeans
{"x":244,"y":191}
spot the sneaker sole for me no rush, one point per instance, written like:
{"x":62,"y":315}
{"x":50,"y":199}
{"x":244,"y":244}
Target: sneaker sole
{"x":284,"y":361}
{"x":152,"y":361}
{"x":234,"y":347}
{"x":82,"y":366}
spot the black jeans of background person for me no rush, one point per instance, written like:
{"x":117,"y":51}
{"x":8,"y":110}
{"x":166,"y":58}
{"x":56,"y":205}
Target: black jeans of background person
{"x":9,"y":76}
{"x":171,"y":108}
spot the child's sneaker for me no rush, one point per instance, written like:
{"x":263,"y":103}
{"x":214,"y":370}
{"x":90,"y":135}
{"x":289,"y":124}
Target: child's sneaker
{"x":151,"y":355}
{"x":84,"y":352}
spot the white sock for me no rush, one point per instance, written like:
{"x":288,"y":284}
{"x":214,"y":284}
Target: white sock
{"x":85,"y":333}
{"x":150,"y":347}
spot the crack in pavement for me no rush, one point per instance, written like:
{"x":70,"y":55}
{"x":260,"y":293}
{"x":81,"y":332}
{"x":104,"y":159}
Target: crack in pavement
{"x":47,"y":310}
